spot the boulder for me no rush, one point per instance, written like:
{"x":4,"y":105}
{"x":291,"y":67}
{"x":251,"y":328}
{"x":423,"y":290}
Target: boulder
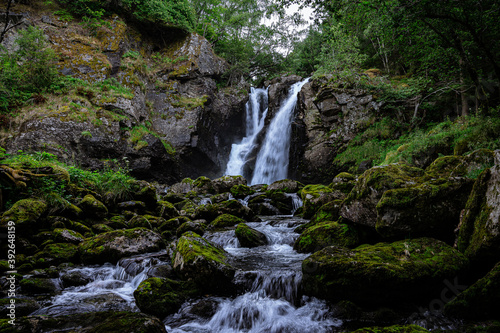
{"x":479,"y":301}
{"x":326,"y":234}
{"x":93,"y":208}
{"x":23,"y":306}
{"x":241,"y":191}
{"x":55,"y":254}
{"x":315,"y":196}
{"x":233,"y":207}
{"x":226,"y":220}
{"x":113,"y":245}
{"x":35,"y":286}
{"x":360,"y":205}
{"x":197,"y":227}
{"x":249,"y":237}
{"x":384,"y":273}
{"x":224,"y":184}
{"x":161,"y":296}
{"x":67,"y":236}
{"x":207,"y":265}
{"x":479,"y":234}
{"x":285,"y":185}
{"x":25,"y":213}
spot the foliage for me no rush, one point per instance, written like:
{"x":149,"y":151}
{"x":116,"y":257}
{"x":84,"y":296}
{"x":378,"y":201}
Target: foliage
{"x":27,"y":70}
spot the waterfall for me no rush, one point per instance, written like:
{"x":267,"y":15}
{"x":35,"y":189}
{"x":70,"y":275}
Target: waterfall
{"x":256,"y":110}
{"x":272,"y":160}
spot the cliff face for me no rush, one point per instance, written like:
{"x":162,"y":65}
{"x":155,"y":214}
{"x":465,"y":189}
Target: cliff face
{"x":173,"y":123}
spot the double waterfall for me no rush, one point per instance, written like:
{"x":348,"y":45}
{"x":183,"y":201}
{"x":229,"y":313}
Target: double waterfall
{"x":273,"y":155}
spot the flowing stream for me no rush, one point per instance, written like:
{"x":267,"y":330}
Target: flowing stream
{"x":272,"y":301}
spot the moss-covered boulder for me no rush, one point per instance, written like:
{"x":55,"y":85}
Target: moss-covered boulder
{"x":161,"y":296}
{"x":480,"y":300}
{"x":206,"y":264}
{"x":383,"y":273}
{"x":326,"y":234}
{"x":166,"y":210}
{"x":145,"y":192}
{"x":187,"y":208}
{"x":93,"y":322}
{"x":57,"y":253}
{"x":469,"y":166}
{"x":479,"y":235}
{"x":232,"y":207}
{"x":67,"y":236}
{"x":111,"y":246}
{"x":203,"y":185}
{"x":135,"y":206}
{"x":225,"y":183}
{"x":430,"y":209}
{"x":23,"y":306}
{"x":360,"y":205}
{"x":196,"y":226}
{"x":392,"y":329}
{"x":240,"y":191}
{"x":286,"y":186}
{"x":226,"y":220}
{"x":173,"y":224}
{"x":315,"y":196}
{"x":93,"y":208}
{"x":25,"y":213}
{"x":35,"y":286}
{"x":249,"y":237}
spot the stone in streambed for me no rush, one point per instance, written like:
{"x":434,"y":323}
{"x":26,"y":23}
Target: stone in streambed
{"x":249,"y":237}
{"x":326,"y":234}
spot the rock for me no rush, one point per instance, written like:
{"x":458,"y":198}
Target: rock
{"x":392,"y":329}
{"x":67,"y":236}
{"x":479,"y":235}
{"x":194,"y":226}
{"x":285,"y":185}
{"x":360,"y":205}
{"x":75,"y":278}
{"x":25,"y":213}
{"x":203,"y":185}
{"x":232,"y":207}
{"x":93,"y":208}
{"x":226,"y":220}
{"x":111,"y":246}
{"x":161,"y":296}
{"x":146,"y":193}
{"x":315,"y":196}
{"x":105,"y":321}
{"x":207,"y":265}
{"x":480,"y":300}
{"x":461,"y":166}
{"x":249,"y":237}
{"x":241,"y":191}
{"x":326,"y":234}
{"x":55,"y":254}
{"x":166,"y":210}
{"x":23,"y":306}
{"x":35,"y":286}
{"x":383,"y":273}
{"x":137,"y":207}
{"x":224,"y":184}
{"x":430,"y":209}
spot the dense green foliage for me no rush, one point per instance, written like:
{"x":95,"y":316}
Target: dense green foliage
{"x":26,"y":70}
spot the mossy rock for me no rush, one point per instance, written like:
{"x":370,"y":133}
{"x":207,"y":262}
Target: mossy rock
{"x":226,"y":220}
{"x":138,"y":207}
{"x":383,"y":273}
{"x":113,"y":245}
{"x":187,"y":208}
{"x":430,"y":209}
{"x":81,"y":228}
{"x":173,"y":223}
{"x":101,"y":228}
{"x":117,"y":222}
{"x":146,"y":193}
{"x":225,"y":183}
{"x":328,"y":212}
{"x":36,"y":286}
{"x":241,"y":191}
{"x":479,"y":301}
{"x":25,"y":213}
{"x":57,"y":253}
{"x":93,"y":208}
{"x":315,"y":196}
{"x":203,"y":185}
{"x":140,"y":221}
{"x":94,"y":322}
{"x":67,"y":236}
{"x":286,"y":186}
{"x":249,"y":237}
{"x":392,"y":329}
{"x":206,"y":264}
{"x":75,"y":278}
{"x":469,"y":166}
{"x":23,"y":306}
{"x":166,"y":210}
{"x":478,"y":236}
{"x":326,"y":234}
{"x":360,"y":205}
{"x":161,"y":296}
{"x":232,"y":207}
{"x":193,"y":226}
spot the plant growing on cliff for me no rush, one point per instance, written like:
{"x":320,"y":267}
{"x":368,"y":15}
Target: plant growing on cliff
{"x":27,"y":69}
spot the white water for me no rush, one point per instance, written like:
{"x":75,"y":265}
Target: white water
{"x":256,"y":110}
{"x":272,"y":302}
{"x":272,"y":160}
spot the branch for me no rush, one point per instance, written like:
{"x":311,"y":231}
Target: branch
{"x":7,"y":26}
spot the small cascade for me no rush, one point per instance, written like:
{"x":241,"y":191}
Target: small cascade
{"x":296,"y":201}
{"x":256,"y":111}
{"x":272,"y":160}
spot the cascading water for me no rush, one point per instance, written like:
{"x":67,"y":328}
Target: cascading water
{"x":272,"y":160}
{"x":256,"y":111}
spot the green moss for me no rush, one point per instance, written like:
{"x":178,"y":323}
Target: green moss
{"x":226,"y":220}
{"x":55,"y":254}
{"x":325,"y":234}
{"x":313,"y":191}
{"x":241,"y":191}
{"x":392,"y":329}
{"x":249,"y":237}
{"x":191,"y":246}
{"x":25,"y":212}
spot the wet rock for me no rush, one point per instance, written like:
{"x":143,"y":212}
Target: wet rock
{"x":75,"y":278}
{"x":23,"y":306}
{"x":285,"y":185}
{"x":161,"y":296}
{"x":241,"y":191}
{"x":233,"y":207}
{"x":93,"y":208}
{"x":207,"y":265}
{"x":193,"y":226}
{"x":326,"y":234}
{"x":55,"y":254}
{"x":111,"y":246}
{"x":224,"y":184}
{"x":226,"y":220}
{"x":315,"y":196}
{"x":383,"y":273}
{"x":166,"y":210}
{"x":205,"y":308}
{"x":249,"y":237}
{"x":478,"y":301}
{"x":35,"y":286}
{"x":479,"y":236}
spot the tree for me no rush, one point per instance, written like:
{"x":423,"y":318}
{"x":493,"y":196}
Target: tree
{"x":9,"y":24}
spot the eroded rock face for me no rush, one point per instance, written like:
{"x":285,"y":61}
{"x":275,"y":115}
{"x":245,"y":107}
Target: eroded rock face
{"x":479,"y":235}
{"x":382,"y":273}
